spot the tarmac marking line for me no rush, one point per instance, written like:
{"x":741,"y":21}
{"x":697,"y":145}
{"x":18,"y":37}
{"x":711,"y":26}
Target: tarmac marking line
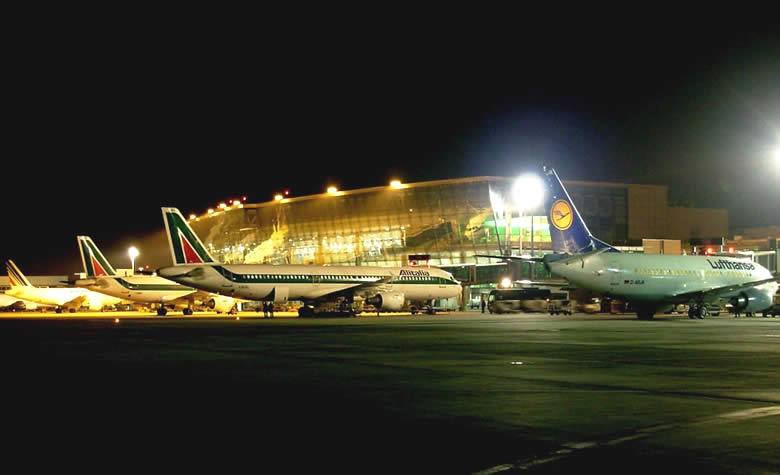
{"x":572,"y":448}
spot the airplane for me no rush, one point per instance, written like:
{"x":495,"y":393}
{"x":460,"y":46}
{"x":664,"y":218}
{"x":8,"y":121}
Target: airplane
{"x":318,"y":287}
{"x":150,"y":289}
{"x":652,"y":283}
{"x":63,"y":298}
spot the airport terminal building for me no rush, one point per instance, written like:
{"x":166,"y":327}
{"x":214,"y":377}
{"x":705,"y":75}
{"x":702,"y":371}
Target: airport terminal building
{"x":445,"y":223}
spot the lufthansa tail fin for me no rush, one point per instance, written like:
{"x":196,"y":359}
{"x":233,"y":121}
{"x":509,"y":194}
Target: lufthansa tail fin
{"x":568,"y":231}
{"x":186,"y":247}
{"x":95,"y":264}
{"x":15,"y":276}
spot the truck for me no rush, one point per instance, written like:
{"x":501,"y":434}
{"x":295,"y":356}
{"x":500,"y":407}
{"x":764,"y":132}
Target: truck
{"x":528,"y":299}
{"x":559,"y":304}
{"x":774,"y":310}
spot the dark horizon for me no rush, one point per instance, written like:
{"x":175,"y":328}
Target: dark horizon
{"x":97,"y":147}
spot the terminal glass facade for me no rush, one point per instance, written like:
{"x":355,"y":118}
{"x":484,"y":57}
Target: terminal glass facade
{"x":452,"y":221}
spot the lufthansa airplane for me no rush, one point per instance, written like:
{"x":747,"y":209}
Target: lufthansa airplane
{"x":386,"y":288}
{"x":101,"y":277}
{"x":651,"y":282}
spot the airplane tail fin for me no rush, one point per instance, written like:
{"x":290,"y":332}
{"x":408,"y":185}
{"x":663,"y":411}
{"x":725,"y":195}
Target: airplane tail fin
{"x":568,"y":231}
{"x":186,"y":247}
{"x":95,"y":264}
{"x":15,"y":276}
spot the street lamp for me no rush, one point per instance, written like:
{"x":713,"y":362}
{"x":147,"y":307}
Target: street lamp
{"x":527,"y":193}
{"x":133,"y":252}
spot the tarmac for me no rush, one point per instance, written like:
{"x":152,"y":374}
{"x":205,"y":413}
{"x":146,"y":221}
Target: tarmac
{"x":458,"y":392}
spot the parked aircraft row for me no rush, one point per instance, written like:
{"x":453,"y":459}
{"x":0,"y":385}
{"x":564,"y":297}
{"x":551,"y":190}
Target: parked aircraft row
{"x":652,"y":283}
{"x":196,"y":279}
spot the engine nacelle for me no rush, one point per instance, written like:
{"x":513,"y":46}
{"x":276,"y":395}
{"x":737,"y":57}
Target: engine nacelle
{"x":220,"y":304}
{"x":387,"y":300}
{"x":751,"y":300}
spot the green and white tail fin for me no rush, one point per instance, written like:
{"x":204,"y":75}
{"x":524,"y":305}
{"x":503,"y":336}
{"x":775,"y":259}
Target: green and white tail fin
{"x":15,"y":276}
{"x":95,"y":264}
{"x":185,"y":246}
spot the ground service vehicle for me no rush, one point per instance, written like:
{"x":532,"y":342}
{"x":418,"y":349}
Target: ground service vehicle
{"x":774,"y":310}
{"x":518,"y":300}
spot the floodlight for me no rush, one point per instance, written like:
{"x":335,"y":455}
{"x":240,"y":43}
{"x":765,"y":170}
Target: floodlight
{"x":528,"y":192}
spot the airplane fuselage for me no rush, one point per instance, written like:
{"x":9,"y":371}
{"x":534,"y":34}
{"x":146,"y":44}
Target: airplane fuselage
{"x":62,"y":296}
{"x":138,"y":288}
{"x":301,"y":282}
{"x":661,"y":278}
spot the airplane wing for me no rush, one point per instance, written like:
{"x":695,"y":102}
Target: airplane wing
{"x":76,"y":303}
{"x":716,"y":292}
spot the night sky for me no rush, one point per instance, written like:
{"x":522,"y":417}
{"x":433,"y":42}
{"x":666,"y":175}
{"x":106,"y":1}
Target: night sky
{"x":100,"y":134}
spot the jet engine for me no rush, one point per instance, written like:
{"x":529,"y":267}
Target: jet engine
{"x":220,"y":304}
{"x":751,"y":300}
{"x":387,"y":300}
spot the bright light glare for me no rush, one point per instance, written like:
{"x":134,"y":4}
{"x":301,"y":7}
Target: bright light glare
{"x":506,"y":283}
{"x":776,"y":154}
{"x":278,"y":198}
{"x":332,"y":189}
{"x":133,"y":252}
{"x":528,"y":192}
{"x":396,"y":184}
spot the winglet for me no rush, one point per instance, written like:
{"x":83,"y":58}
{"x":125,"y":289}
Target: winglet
{"x":185,"y":246}
{"x":15,"y":276}
{"x":95,"y":264}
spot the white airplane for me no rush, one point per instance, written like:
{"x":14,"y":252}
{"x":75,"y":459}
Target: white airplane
{"x":150,"y":289}
{"x":386,"y":288}
{"x":67,"y":298}
{"x":653,"y":283}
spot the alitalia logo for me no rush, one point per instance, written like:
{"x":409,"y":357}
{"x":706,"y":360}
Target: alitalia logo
{"x":187,"y":248}
{"x":96,"y":265}
{"x":190,"y":255}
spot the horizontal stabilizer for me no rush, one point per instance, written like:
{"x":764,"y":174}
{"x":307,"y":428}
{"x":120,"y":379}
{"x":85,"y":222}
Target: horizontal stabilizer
{"x":513,"y":258}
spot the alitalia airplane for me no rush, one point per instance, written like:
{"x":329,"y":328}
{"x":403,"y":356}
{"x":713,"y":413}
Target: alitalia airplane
{"x":386,"y":288}
{"x":150,"y":289}
{"x":651,"y":282}
{"x":63,"y":298}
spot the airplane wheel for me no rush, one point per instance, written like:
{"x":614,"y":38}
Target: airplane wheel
{"x":162,"y":311}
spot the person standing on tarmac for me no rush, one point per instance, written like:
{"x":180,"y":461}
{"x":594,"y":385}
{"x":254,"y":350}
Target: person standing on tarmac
{"x":271,"y":309}
{"x":483,"y":304}
{"x":265,"y":309}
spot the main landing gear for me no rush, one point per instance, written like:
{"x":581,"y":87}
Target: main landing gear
{"x":697,"y":311}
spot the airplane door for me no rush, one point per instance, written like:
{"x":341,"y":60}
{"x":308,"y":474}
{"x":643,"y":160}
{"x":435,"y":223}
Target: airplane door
{"x":315,"y":279}
{"x":614,"y":274}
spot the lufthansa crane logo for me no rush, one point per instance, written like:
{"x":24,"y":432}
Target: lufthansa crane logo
{"x":561,"y":215}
